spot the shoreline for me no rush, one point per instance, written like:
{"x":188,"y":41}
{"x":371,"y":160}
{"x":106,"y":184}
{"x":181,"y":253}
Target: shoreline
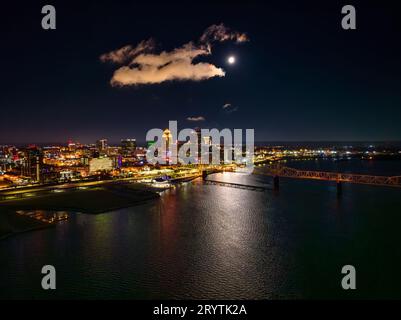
{"x":15,"y":233}
{"x":91,"y":201}
{"x":19,"y":224}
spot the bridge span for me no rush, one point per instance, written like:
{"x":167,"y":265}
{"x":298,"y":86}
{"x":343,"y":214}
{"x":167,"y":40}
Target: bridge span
{"x":281,"y":171}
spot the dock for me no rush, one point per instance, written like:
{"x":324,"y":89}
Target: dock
{"x":238,"y":185}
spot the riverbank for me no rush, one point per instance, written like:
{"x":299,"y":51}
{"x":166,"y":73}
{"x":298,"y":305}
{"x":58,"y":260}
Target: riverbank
{"x":90,"y":201}
{"x":12,"y":224}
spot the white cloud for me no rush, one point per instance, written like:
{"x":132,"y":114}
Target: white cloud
{"x":126,"y":53}
{"x":229,"y":108}
{"x":222,"y":33}
{"x":139,"y":66}
{"x":198,"y":118}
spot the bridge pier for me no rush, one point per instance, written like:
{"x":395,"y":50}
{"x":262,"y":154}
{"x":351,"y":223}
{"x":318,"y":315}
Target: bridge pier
{"x":339,"y":188}
{"x":276,"y":183}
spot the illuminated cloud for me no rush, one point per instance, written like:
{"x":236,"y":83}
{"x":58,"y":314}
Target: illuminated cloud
{"x":126,"y":53}
{"x":222,"y":33}
{"x":199,"y":118}
{"x":166,"y":66}
{"x":139,"y":66}
{"x":229,"y":108}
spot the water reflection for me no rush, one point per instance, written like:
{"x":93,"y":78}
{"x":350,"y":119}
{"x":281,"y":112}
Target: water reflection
{"x":205,"y":241}
{"x":45,"y":216}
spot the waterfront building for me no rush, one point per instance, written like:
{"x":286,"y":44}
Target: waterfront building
{"x":100,"y":164}
{"x":67,"y":175}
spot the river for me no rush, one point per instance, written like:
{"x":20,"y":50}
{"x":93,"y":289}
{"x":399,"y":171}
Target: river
{"x":206,"y":241}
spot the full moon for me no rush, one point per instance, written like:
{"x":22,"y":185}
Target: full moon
{"x":231,"y":59}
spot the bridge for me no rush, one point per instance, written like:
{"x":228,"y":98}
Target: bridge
{"x":281,"y":171}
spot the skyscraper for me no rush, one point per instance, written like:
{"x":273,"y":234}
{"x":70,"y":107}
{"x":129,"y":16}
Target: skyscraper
{"x":167,"y":141}
{"x":32,"y":163}
{"x":128,"y":147}
{"x":101,"y":146}
{"x":199,"y":149}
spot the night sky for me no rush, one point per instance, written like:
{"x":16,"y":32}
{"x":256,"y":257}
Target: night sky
{"x":299,"y":77}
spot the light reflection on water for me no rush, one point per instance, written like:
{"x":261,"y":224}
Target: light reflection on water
{"x":44,"y":216}
{"x":207,"y":241}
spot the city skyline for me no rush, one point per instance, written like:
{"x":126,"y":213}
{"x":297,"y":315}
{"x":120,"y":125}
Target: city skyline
{"x":200,"y":159}
{"x":280,"y":83}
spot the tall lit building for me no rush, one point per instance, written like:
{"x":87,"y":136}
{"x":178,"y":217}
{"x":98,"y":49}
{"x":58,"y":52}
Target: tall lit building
{"x":32,"y":163}
{"x":207,"y":149}
{"x":71,"y":145}
{"x":128,"y":146}
{"x":101,"y":146}
{"x":199,"y":149}
{"x":167,"y":141}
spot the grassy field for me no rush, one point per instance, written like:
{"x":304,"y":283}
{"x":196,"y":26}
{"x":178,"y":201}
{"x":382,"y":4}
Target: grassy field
{"x":92,"y":201}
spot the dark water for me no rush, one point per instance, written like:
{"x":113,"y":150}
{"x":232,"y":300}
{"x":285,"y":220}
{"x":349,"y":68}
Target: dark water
{"x":207,"y":241}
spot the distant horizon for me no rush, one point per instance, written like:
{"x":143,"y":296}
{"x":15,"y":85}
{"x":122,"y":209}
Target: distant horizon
{"x":393,"y":143}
